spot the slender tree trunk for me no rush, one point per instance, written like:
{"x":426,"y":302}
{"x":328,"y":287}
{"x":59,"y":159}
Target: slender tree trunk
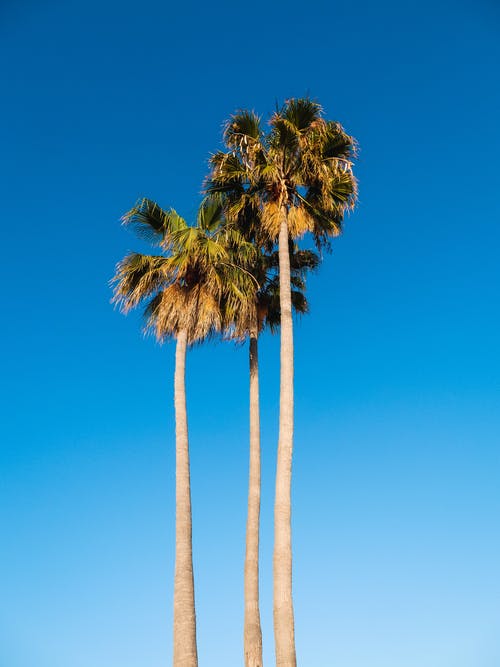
{"x":252,"y":629}
{"x":185,"y":653}
{"x":284,"y":634}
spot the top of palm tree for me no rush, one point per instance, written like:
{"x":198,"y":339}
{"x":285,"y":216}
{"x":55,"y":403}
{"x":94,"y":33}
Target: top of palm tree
{"x":200,"y":269}
{"x":302,"y":165}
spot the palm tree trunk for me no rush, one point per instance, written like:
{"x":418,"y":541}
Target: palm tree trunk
{"x":284,"y":634}
{"x":185,"y":653}
{"x":252,"y":629}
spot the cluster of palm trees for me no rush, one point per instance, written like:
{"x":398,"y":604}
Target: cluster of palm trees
{"x":234,"y":272}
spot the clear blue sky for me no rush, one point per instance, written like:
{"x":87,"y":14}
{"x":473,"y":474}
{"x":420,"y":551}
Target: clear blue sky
{"x":396,"y":472}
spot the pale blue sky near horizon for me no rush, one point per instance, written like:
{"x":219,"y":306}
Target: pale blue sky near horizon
{"x":396,"y":472}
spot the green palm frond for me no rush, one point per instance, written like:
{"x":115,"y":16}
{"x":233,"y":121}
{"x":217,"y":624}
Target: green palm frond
{"x":183,"y":240}
{"x":334,"y":195}
{"x":302,"y":113}
{"x":212,"y":252}
{"x":210,"y":214}
{"x":336,"y":143}
{"x":138,"y":277}
{"x":228,"y":169}
{"x":242,"y":127}
{"x":284,"y":138}
{"x":151,"y":222}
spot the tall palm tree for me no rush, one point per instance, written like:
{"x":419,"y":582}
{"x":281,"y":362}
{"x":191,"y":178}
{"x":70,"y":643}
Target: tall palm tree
{"x":182,"y":291}
{"x":297,"y":178}
{"x":264,"y":314}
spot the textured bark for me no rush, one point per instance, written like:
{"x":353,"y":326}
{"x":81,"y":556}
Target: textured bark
{"x":252,"y":628}
{"x":185,"y":653}
{"x":284,"y":634}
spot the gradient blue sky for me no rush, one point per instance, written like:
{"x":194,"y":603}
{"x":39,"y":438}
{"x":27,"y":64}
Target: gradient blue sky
{"x":396,"y":503}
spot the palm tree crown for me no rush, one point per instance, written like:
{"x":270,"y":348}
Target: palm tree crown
{"x":183,"y":289}
{"x":302,"y":164}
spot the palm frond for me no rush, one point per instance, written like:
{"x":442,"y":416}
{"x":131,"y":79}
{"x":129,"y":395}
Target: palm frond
{"x":227,"y":169}
{"x":210,"y":214}
{"x":241,"y":128}
{"x":336,"y":143}
{"x":284,"y":138}
{"x":151,"y":222}
{"x":301,"y":112}
{"x":138,"y":277}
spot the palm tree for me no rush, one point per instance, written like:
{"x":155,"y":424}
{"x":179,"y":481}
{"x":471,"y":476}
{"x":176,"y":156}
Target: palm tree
{"x":297,"y":178}
{"x":182,"y":290}
{"x":264,"y":314}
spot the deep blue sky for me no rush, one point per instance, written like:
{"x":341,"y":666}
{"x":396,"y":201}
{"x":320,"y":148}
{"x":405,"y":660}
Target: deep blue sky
{"x":396,"y":504}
